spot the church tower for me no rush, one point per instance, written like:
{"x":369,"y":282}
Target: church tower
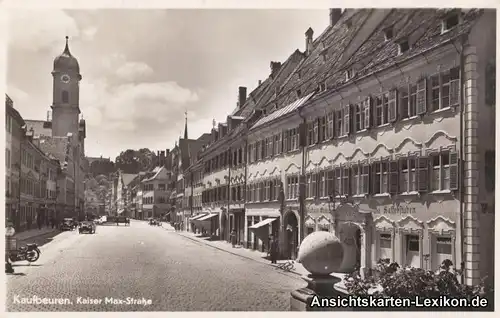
{"x":66,"y":95}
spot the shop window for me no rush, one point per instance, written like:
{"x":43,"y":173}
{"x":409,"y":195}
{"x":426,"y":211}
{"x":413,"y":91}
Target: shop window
{"x":385,"y":245}
{"x":408,"y":175}
{"x":412,"y":245}
{"x":443,"y":250}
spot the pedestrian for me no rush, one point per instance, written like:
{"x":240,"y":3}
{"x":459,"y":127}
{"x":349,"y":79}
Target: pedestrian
{"x":233,"y":238}
{"x":273,"y":245}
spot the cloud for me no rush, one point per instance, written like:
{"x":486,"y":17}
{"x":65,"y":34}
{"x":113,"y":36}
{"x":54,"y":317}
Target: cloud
{"x":134,"y":70}
{"x":34,"y":30}
{"x":89,"y":33}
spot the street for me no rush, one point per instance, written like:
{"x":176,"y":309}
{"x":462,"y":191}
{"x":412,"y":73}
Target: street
{"x":145,"y":263}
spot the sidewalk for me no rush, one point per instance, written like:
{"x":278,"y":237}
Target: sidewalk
{"x":240,"y":251}
{"x":30,"y":234}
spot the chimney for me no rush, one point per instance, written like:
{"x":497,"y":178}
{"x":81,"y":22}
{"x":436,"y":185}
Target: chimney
{"x":242,"y":95}
{"x":309,"y":41}
{"x":162,"y":158}
{"x":260,"y":82}
{"x":48,"y":115}
{"x":275,"y":67}
{"x":335,"y":16}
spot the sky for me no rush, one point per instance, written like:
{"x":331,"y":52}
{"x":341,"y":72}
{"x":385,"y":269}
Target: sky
{"x":143,"y":69}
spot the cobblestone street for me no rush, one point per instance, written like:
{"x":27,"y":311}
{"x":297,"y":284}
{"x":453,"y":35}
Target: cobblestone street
{"x":140,"y":261}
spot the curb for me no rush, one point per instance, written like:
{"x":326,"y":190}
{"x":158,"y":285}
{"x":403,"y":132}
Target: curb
{"x":35,"y":236}
{"x":236,"y":254}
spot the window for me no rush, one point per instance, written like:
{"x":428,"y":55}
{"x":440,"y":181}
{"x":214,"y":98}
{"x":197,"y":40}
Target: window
{"x":408,"y":101}
{"x":355,"y":180}
{"x":380,"y":177}
{"x":330,"y":125}
{"x":339,"y":123}
{"x":349,"y":74}
{"x":440,"y":173}
{"x":293,"y":187}
{"x":359,"y":117}
{"x":322,"y":87}
{"x":443,"y":250}
{"x":65,"y":96}
{"x":412,"y":243}
{"x":310,"y":133}
{"x":449,"y":22}
{"x":299,"y":93}
{"x":269,"y":145}
{"x":385,"y":245}
{"x":277,"y":144}
{"x":322,"y":184}
{"x":381,"y":109}
{"x":309,"y":230}
{"x":403,"y":46}
{"x":338,"y":181}
{"x":408,"y":175}
{"x":294,"y":137}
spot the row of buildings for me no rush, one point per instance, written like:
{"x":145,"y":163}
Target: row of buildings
{"x":371,"y":132}
{"x":45,"y":161}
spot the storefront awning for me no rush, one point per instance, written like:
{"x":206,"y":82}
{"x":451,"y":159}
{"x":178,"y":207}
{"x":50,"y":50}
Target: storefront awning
{"x":207,"y":217}
{"x":199,"y":216}
{"x":262,"y":223}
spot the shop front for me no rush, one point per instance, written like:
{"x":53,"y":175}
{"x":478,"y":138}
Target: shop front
{"x":419,"y":234}
{"x":209,"y":224}
{"x":237,"y":223}
{"x":290,"y":234}
{"x":260,"y":223}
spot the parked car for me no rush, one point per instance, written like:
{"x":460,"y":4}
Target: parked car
{"x":87,"y":227}
{"x":67,"y":224}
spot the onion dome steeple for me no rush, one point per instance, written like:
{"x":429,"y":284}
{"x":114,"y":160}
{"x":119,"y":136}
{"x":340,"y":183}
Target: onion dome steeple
{"x":66,"y":61}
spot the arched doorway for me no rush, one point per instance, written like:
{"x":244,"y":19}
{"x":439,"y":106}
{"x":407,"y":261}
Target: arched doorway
{"x":291,"y":235}
{"x":349,"y":234}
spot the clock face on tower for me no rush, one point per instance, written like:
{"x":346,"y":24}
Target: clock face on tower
{"x":65,"y":78}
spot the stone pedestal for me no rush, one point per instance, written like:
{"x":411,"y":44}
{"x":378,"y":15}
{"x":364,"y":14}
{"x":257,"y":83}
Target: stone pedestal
{"x":317,"y":286}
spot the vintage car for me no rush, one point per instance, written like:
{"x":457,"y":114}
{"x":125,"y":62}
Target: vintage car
{"x":87,"y":227}
{"x":67,"y":224}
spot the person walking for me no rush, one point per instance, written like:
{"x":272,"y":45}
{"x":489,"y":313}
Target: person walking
{"x":273,"y":246}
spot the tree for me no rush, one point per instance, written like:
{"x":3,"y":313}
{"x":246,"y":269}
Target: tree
{"x":389,"y":280}
{"x":134,"y":161}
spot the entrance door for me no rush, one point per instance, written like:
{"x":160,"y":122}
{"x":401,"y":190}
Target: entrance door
{"x":292,"y":236}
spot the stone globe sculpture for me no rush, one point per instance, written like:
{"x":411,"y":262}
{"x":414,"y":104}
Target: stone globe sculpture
{"x":321,"y":253}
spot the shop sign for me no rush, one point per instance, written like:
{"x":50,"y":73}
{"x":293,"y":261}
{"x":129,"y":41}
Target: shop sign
{"x":396,"y":209}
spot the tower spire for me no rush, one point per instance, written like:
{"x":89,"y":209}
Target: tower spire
{"x":66,"y":48}
{"x":186,"y":125}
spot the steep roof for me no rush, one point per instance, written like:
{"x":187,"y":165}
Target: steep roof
{"x":327,"y":63}
{"x":128,"y":177}
{"x":40,"y":127}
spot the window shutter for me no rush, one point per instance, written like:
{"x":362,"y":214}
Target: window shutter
{"x":303,"y":134}
{"x":334,"y":118}
{"x":365,"y":179}
{"x":453,"y":170}
{"x":393,"y":105}
{"x":422,"y":96}
{"x":284,"y":139}
{"x":368,"y":111}
{"x":394,"y":177}
{"x":454,"y":92}
{"x":422,"y":174}
{"x":329,"y":129}
{"x":347,"y":119}
{"x":316,"y":131}
{"x":373,"y":177}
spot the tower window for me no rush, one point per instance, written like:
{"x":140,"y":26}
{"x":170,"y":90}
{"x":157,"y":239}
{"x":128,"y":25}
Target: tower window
{"x":65,"y":96}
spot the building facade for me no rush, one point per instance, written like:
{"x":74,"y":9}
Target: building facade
{"x":155,"y":194}
{"x":386,"y":155}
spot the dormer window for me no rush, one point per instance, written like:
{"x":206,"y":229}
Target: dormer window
{"x":276,"y":91}
{"x":403,"y":46}
{"x":299,"y":93}
{"x":388,"y":33}
{"x":299,"y":75}
{"x":322,"y":87}
{"x":349,"y":74}
{"x":449,"y":22}
{"x":348,"y":24}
